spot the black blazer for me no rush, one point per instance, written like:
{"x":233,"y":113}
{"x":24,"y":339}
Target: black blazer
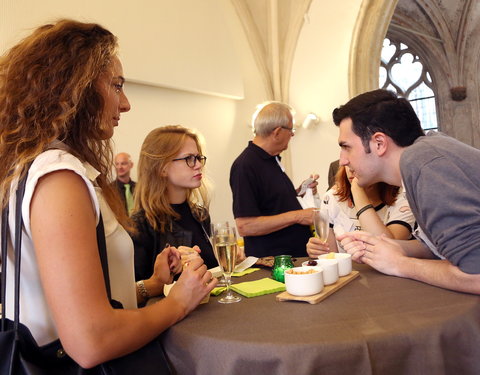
{"x":149,"y":243}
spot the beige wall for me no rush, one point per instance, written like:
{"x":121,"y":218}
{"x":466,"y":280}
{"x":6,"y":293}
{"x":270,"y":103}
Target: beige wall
{"x":319,"y":83}
{"x":319,"y":75}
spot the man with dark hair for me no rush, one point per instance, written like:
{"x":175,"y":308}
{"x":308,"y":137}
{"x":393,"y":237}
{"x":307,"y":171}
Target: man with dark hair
{"x":381,"y":140}
{"x":265,"y":205}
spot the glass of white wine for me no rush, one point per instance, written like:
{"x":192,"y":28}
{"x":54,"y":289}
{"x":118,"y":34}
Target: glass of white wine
{"x":320,"y":221}
{"x":225,"y":248}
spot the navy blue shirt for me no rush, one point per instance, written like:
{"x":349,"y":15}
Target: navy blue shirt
{"x":261,"y":188}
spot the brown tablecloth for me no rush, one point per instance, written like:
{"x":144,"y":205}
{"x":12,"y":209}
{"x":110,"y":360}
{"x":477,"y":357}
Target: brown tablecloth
{"x":377,"y":324}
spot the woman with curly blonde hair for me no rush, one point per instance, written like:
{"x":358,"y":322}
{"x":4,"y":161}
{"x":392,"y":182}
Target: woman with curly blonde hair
{"x":171,"y":201}
{"x":61,"y":95}
{"x":378,"y":209}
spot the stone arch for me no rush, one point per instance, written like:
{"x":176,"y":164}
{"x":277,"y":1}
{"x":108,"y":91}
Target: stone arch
{"x":370,"y":30}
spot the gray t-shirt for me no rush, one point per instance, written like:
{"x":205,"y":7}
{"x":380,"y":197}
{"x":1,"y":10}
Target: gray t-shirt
{"x":442,"y":181}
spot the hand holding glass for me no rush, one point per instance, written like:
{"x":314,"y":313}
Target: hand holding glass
{"x":322,"y":227}
{"x":225,"y":248}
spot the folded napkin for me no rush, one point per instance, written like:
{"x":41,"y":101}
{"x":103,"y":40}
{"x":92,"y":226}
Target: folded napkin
{"x":217,"y":291}
{"x":246,"y":272}
{"x":258,"y":287}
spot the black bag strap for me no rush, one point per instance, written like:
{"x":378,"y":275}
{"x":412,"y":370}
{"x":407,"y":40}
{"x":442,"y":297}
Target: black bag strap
{"x":102,"y":251}
{"x":17,"y":252}
{"x":3,"y":257}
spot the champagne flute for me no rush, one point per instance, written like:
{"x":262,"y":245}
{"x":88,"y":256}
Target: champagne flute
{"x":321,"y":223}
{"x":225,"y":245}
{"x":221,"y":279}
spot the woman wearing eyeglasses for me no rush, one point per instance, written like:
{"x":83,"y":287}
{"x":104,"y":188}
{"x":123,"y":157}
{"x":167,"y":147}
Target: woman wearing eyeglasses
{"x":171,"y":201}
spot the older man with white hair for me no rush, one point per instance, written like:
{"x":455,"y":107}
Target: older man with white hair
{"x":265,"y":206}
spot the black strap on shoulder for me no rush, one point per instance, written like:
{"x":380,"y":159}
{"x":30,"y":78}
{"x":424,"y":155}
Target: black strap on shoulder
{"x":102,"y":252}
{"x":3,"y":258}
{"x":17,"y":251}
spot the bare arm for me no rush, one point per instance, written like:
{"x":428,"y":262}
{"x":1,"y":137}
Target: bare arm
{"x":260,"y":225}
{"x":415,"y":248}
{"x":440,"y":273}
{"x":371,"y":222}
{"x":91,"y":331}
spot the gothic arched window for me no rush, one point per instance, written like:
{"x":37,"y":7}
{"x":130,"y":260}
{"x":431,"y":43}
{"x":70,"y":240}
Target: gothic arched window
{"x":402,"y":71}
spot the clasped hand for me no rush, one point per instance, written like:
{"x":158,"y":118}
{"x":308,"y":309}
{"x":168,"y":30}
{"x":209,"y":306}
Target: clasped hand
{"x":379,"y":252}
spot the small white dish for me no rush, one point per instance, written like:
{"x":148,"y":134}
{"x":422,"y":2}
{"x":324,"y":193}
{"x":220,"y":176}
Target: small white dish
{"x":330,"y":270}
{"x":344,"y":262}
{"x":301,"y":281}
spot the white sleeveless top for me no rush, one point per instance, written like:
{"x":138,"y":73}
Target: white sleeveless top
{"x":34,"y":311}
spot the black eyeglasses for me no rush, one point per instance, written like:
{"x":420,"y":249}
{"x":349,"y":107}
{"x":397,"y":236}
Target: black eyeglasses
{"x":191,"y":160}
{"x":292,"y":130}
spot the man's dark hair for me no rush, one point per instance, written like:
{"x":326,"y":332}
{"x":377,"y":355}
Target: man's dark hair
{"x":381,"y":111}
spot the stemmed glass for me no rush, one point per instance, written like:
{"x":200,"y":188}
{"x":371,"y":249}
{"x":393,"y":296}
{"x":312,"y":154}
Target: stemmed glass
{"x":321,"y":223}
{"x":224,"y":241}
{"x":221,"y":279}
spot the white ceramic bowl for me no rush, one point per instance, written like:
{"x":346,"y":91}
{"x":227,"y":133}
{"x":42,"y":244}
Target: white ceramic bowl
{"x":344,"y":262}
{"x":305,"y":284}
{"x":330,"y":270}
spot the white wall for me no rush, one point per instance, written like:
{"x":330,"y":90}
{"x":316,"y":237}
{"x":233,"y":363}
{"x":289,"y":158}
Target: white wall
{"x":319,"y":83}
{"x":223,"y":122}
{"x":204,"y":51}
{"x":179,"y":44}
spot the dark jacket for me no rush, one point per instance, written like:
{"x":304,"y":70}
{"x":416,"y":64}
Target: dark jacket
{"x":149,"y":243}
{"x":120,"y":186}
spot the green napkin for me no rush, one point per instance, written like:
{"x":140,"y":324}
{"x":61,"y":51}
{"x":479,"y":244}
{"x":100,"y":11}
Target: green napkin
{"x":258,"y":287}
{"x":217,"y":291}
{"x":246,"y":272}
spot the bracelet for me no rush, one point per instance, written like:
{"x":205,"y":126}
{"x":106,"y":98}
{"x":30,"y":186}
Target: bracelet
{"x":142,"y":290}
{"x":363,"y":209}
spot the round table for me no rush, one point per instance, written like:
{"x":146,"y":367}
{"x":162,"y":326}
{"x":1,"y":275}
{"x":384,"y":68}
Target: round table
{"x":376,"y":324}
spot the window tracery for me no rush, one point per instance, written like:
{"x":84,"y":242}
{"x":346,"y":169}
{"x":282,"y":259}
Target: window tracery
{"x":403,"y":72}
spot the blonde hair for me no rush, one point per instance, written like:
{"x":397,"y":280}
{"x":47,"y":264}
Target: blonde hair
{"x":159,"y":148}
{"x":48,"y":93}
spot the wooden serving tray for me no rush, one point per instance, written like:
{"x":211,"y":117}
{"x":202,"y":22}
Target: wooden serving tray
{"x":327,"y":290}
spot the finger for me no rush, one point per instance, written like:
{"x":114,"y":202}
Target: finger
{"x":358,"y":255}
{"x":211,"y":284}
{"x":207,"y":277}
{"x":196,"y":263}
{"x":356,"y":235}
{"x":174,"y":252}
{"x":197,"y":249}
{"x":367,"y":238}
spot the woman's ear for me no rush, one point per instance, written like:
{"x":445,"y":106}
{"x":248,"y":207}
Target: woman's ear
{"x":164,"y":171}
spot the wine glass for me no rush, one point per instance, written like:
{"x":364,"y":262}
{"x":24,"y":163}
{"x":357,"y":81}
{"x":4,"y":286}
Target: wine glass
{"x":321,"y":223}
{"x":225,"y":249}
{"x":221,"y":279}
